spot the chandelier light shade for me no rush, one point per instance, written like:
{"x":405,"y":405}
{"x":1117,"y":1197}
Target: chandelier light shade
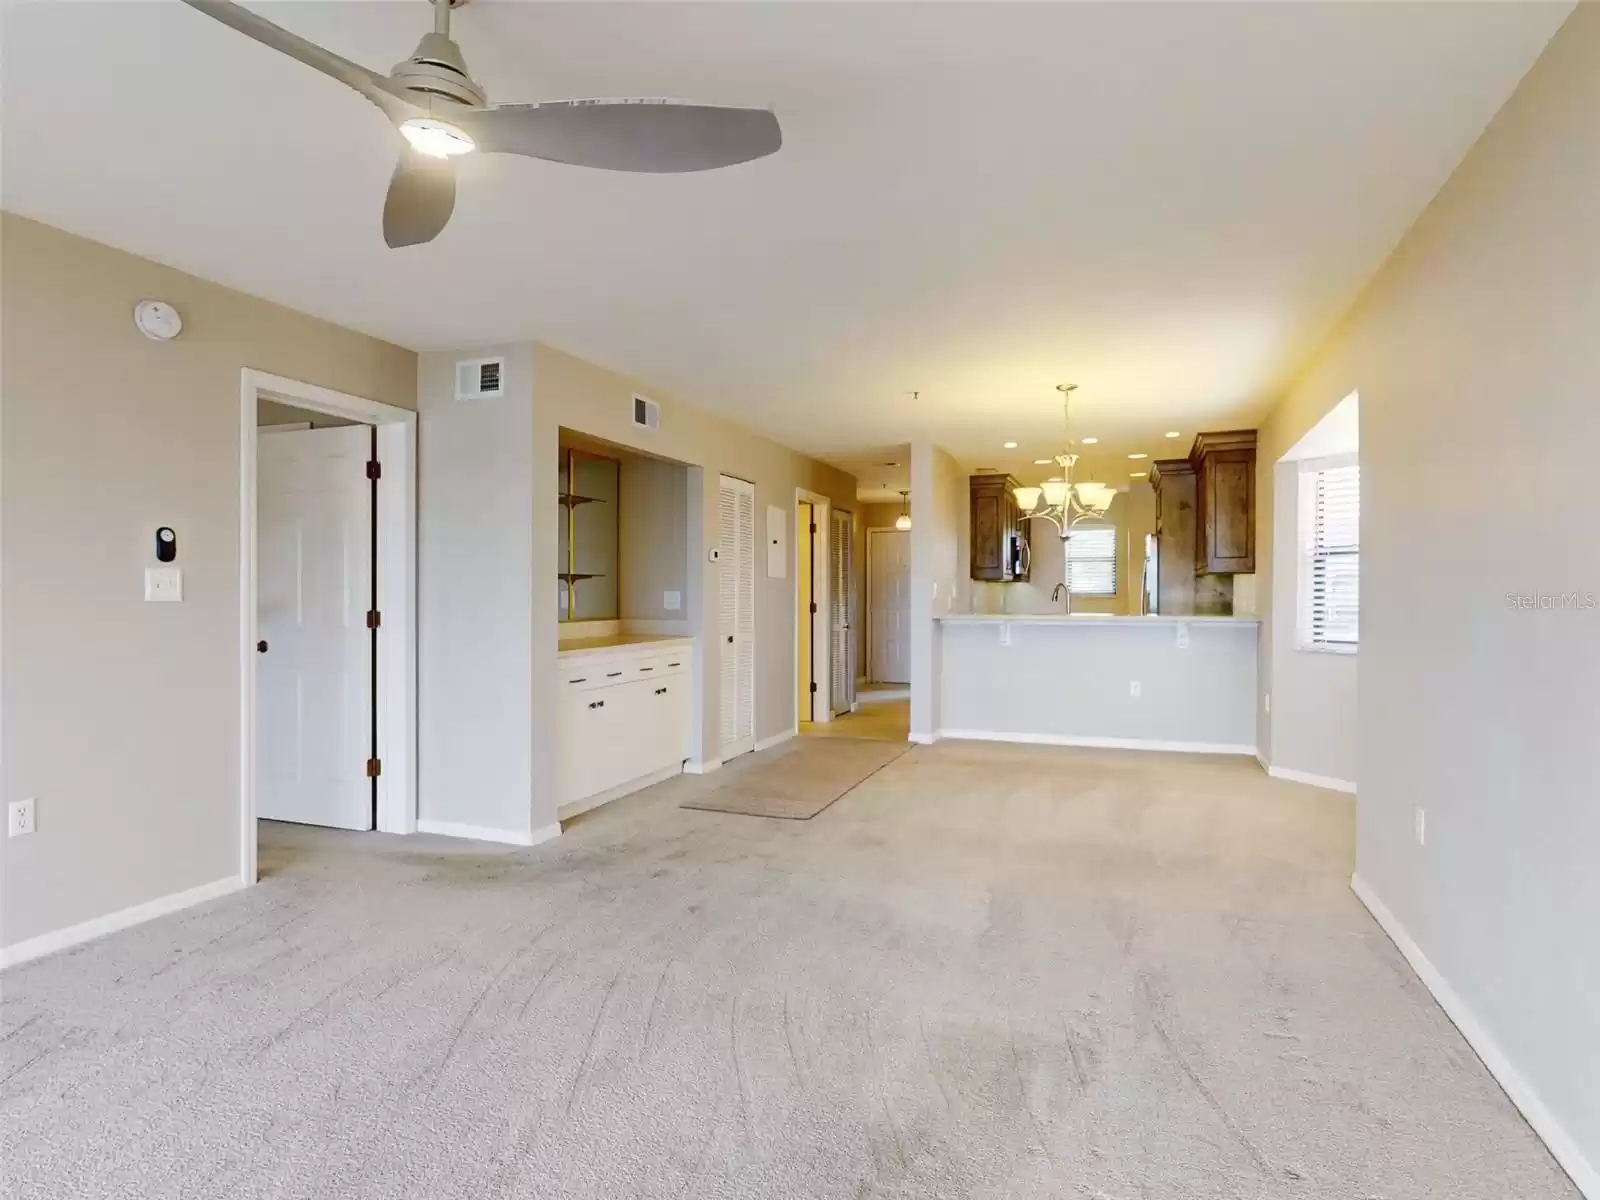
{"x":1055,"y":492}
{"x":1027,"y":498}
{"x":903,"y":521}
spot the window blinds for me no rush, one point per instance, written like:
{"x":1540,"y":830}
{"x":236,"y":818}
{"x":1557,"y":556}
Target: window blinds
{"x":1092,"y":560}
{"x":1333,"y":549}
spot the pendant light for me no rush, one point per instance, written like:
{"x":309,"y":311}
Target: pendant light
{"x":903,"y":521}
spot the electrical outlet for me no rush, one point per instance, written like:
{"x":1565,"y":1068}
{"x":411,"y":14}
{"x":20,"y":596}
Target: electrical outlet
{"x":20,"y":818}
{"x":1422,"y":827}
{"x":672,"y":601}
{"x":1005,"y":633}
{"x":1182,"y":636}
{"x":163,"y":585}
{"x":1133,"y":688}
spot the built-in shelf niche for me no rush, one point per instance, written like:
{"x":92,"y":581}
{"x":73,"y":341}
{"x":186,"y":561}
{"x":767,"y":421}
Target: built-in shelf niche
{"x":586,"y":568}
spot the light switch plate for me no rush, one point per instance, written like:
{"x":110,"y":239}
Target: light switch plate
{"x":672,"y":601}
{"x":20,"y":818}
{"x":1183,"y":635}
{"x":163,"y":584}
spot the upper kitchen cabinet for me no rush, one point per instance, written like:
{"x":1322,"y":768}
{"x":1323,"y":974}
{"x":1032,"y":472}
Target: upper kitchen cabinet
{"x":999,"y":532}
{"x":1225,"y":502}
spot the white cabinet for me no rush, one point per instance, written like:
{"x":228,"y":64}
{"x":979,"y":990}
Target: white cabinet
{"x":624,"y":720}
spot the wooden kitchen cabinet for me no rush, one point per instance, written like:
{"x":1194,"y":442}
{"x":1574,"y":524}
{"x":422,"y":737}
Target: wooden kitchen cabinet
{"x":1225,"y":502}
{"x":1000,"y":546}
{"x":1173,"y":481}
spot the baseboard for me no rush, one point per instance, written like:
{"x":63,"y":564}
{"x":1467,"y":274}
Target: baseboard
{"x":776,"y":739}
{"x":578,"y":807}
{"x":488,"y":833}
{"x":924,"y":739}
{"x":696,"y":766}
{"x":1321,"y":781}
{"x":884,"y":695}
{"x":1097,"y":743}
{"x":1516,"y":1086}
{"x":73,"y":935}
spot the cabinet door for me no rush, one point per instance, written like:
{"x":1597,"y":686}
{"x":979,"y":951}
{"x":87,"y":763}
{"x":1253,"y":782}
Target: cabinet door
{"x":988,"y":534}
{"x":1228,"y":508}
{"x":582,"y":749}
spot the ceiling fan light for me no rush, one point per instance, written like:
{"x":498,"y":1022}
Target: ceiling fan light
{"x":437,"y":139}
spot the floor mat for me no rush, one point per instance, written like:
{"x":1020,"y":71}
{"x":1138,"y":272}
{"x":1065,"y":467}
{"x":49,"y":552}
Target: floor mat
{"x":800,"y":784}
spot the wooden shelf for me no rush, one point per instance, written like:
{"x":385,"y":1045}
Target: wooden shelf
{"x":572,"y":500}
{"x":575,"y":576}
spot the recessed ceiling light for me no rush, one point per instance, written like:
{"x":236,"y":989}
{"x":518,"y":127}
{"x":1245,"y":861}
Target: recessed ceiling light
{"x":1011,"y":446}
{"x":1090,"y":441}
{"x":1043,"y":462}
{"x":1138,"y":456}
{"x":1137,"y":474}
{"x":1173,"y":433}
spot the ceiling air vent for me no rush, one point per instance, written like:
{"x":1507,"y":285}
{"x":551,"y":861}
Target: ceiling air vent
{"x":646,"y":413}
{"x":481,"y":379}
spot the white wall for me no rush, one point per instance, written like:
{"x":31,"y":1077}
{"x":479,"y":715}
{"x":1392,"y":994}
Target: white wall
{"x":1476,"y":347}
{"x":477,"y":575}
{"x":121,"y":718}
{"x":654,"y":539}
{"x":940,"y":571}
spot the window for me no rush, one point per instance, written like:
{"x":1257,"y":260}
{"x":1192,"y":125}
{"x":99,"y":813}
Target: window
{"x":1330,"y":551}
{"x":1092,"y":557}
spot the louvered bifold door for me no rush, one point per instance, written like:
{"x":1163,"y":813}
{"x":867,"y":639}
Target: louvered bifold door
{"x":736,"y":589}
{"x":841,"y":555}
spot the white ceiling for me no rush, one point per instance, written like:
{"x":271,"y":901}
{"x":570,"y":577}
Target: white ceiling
{"x":1168,"y":204}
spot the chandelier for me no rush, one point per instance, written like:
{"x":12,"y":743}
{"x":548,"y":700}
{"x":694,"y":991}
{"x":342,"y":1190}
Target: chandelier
{"x":1065,"y":503}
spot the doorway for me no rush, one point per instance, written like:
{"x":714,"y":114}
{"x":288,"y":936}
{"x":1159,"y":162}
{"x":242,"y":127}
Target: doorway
{"x":812,"y":615}
{"x":889,"y":606}
{"x":327,"y":618}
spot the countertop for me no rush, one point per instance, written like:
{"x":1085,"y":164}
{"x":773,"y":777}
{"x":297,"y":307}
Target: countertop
{"x":620,"y":641}
{"x":1091,"y":619}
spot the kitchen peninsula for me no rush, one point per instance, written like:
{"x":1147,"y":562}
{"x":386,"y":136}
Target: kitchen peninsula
{"x":1183,"y":683}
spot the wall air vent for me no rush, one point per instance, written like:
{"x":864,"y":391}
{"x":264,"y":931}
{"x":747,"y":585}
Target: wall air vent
{"x":646,"y":413}
{"x":481,"y":379}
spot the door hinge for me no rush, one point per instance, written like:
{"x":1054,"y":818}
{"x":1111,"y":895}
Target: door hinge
{"x":374,"y":469}
{"x":813,"y":689}
{"x":813,"y":527}
{"x":813,"y":607}
{"x":374,"y":619}
{"x":374,"y":767}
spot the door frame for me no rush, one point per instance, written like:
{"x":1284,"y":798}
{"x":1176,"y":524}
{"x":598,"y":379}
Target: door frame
{"x":821,"y":703}
{"x":396,"y":599}
{"x":867,"y":591}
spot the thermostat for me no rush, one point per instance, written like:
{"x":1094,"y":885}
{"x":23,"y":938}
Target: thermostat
{"x":166,"y":544}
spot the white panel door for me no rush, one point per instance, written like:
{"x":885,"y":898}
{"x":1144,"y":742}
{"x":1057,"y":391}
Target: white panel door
{"x":313,"y":591}
{"x":841,"y":590}
{"x":736,"y":595}
{"x":889,"y":606}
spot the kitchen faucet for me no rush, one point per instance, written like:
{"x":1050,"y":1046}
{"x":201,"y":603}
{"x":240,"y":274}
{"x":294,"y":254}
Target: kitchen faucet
{"x":1057,"y":592}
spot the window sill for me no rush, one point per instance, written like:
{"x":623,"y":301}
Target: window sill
{"x":1326,"y":648}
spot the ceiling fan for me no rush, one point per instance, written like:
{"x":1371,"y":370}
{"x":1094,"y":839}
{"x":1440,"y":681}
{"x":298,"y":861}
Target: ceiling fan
{"x":442,"y":113}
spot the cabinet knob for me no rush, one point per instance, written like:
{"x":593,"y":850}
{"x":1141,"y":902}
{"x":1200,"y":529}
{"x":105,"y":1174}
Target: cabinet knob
{"x":261,"y":647}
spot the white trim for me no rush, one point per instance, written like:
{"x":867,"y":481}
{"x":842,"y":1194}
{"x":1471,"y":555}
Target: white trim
{"x":73,"y":935}
{"x":924,"y":739}
{"x":397,"y":585}
{"x":1097,"y":743}
{"x":1321,"y":781}
{"x":1521,"y":1093}
{"x":578,"y":807}
{"x":1265,"y":765}
{"x":487,"y":833}
{"x":776,"y":739}
{"x":697,"y":766}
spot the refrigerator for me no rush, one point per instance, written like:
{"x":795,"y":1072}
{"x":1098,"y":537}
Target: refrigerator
{"x":1150,"y":602}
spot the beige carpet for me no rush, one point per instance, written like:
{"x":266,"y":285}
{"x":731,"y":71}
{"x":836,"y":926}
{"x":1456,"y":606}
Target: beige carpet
{"x":800,"y":783}
{"x":991,"y":973}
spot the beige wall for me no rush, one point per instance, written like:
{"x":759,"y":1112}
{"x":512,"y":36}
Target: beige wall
{"x":868,"y":516}
{"x":654,"y":525}
{"x":1475,"y":347}
{"x":120,"y":717}
{"x":940,"y":560}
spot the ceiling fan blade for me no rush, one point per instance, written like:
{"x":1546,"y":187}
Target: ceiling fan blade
{"x":422,"y":195}
{"x":369,"y":83}
{"x":664,"y":136}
